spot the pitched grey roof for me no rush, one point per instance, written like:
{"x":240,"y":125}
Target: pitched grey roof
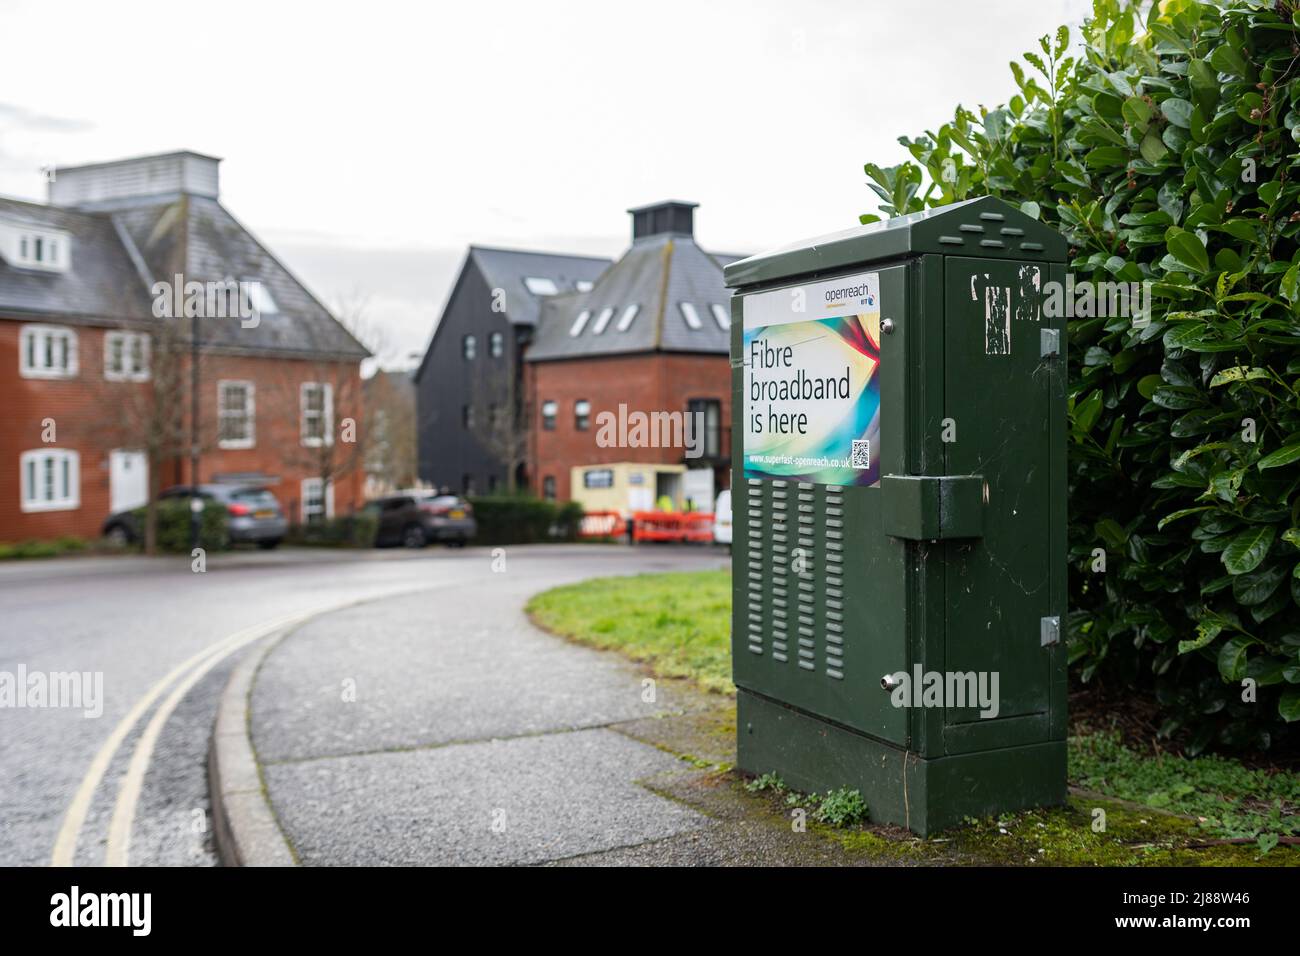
{"x":120,"y":248}
{"x":101,"y":281}
{"x":657,"y":274}
{"x":217,"y":247}
{"x":508,"y":268}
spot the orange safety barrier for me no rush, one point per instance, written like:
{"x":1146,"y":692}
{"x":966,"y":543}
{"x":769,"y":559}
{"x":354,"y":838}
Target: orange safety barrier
{"x":672,"y":526}
{"x":698,"y":526}
{"x":601,"y":524}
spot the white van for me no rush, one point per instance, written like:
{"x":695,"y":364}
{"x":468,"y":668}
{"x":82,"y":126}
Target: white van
{"x":722,"y":518}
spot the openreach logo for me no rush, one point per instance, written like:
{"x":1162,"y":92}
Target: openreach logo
{"x":944,"y":689}
{"x":224,"y":299}
{"x":75,"y":690}
{"x":659,"y":429}
{"x":75,"y":908}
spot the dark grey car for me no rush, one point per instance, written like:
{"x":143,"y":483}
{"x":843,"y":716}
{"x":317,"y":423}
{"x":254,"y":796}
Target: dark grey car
{"x":253,"y":514}
{"x":414,"y":519}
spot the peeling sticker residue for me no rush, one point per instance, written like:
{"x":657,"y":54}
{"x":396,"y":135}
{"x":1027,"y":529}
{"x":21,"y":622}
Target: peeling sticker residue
{"x":997,"y":320}
{"x":1029,"y":302}
{"x":1020,"y":301}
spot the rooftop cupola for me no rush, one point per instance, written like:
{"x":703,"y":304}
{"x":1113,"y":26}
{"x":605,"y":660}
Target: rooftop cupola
{"x":166,"y":173}
{"x":671,"y":217}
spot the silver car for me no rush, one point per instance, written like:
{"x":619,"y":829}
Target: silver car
{"x":252,"y":514}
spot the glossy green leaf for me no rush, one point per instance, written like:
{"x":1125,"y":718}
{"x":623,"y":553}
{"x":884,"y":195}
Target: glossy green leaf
{"x":1288,"y":706}
{"x":1177,"y":111}
{"x":1281,"y":457}
{"x":1248,"y":548}
{"x":1188,"y":249}
{"x":1232,"y":658}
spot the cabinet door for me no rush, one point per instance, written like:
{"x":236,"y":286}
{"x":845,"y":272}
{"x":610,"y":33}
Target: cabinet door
{"x":820,"y":592}
{"x":998,"y":403}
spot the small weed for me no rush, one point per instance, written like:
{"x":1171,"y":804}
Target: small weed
{"x":837,"y":808}
{"x":841,"y":808}
{"x":768,"y":781}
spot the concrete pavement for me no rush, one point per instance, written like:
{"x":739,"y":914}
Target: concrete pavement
{"x":444,"y":728}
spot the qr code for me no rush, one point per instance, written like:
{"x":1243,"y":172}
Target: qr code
{"x":861,"y":454}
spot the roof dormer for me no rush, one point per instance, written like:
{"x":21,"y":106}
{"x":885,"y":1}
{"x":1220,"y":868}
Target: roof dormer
{"x":25,"y":246}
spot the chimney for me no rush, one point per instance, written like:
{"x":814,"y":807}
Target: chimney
{"x":672,"y":216}
{"x":105,"y":183}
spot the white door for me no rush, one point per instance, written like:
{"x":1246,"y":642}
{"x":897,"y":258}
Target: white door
{"x":698,"y":488}
{"x":128,"y":480}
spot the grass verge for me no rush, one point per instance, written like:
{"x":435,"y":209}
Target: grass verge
{"x":1161,"y":808}
{"x":678,"y":624}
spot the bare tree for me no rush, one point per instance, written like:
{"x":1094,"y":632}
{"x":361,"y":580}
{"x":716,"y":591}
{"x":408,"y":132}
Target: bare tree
{"x":391,"y":459}
{"x":323,"y":398}
{"x":140,"y":386}
{"x":501,"y":421}
{"x":324,"y":395}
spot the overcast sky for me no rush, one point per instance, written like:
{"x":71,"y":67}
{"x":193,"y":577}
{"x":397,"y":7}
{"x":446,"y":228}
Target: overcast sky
{"x":368,"y":143}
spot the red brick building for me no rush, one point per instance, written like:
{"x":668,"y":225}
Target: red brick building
{"x":95,"y":348}
{"x":629,"y":382}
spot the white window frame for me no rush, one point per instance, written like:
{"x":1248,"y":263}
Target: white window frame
{"x":581,"y":410}
{"x":59,"y":458}
{"x":42,"y":334}
{"x":250,"y":410}
{"x":720,"y":316}
{"x":691,"y":315}
{"x":326,"y":413}
{"x":327,"y":497}
{"x":127,"y":339}
{"x":56,"y":249}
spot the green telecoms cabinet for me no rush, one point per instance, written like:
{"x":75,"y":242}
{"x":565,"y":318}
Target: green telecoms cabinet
{"x":899,"y":503}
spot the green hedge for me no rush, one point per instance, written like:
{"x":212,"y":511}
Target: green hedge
{"x":34,"y":548}
{"x":174,"y":526}
{"x":350,"y":531}
{"x":517,"y":519}
{"x":1166,"y":152}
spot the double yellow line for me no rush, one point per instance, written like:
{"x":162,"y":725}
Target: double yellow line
{"x":187,"y":673}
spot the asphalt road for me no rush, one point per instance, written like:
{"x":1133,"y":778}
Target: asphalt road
{"x":135,"y":621}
